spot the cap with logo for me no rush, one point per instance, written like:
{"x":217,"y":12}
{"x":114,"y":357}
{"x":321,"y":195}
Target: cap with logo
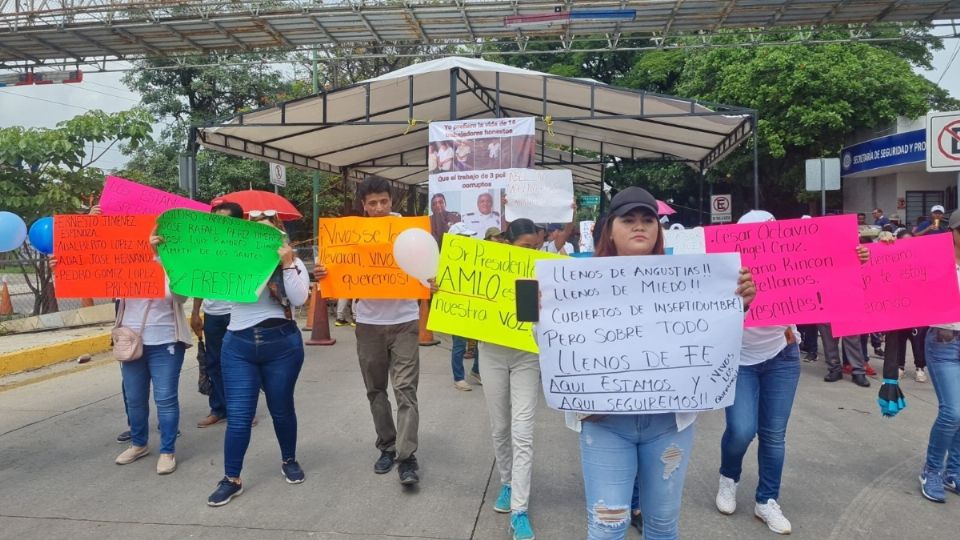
{"x":632,"y":198}
{"x":937,"y":208}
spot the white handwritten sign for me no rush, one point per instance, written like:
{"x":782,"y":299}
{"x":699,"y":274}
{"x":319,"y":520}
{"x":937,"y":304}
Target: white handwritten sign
{"x":636,"y":335}
{"x":684,"y":241}
{"x":540,"y":196}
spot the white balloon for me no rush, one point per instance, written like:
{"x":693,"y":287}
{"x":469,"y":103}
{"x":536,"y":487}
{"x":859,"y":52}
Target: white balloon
{"x":417,"y":253}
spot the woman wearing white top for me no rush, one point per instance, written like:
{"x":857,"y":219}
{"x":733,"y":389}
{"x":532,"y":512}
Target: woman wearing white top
{"x":263,"y":349}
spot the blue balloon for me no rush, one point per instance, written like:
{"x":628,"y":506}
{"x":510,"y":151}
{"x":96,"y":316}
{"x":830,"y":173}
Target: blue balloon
{"x":41,"y":235}
{"x":13,"y":231}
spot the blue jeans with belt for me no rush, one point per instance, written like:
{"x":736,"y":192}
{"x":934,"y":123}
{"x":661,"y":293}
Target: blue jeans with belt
{"x":159,"y":365}
{"x":214,"y":330}
{"x":255,"y":358}
{"x":765,"y":393}
{"x":618,"y":451}
{"x":943,"y":364}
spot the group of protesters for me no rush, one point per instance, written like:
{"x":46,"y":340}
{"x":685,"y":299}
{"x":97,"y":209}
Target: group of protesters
{"x":633,"y":465}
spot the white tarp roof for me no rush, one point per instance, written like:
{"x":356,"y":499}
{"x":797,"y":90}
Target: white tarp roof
{"x":379,"y":126}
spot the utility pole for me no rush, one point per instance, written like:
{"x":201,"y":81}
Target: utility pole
{"x":316,"y":174}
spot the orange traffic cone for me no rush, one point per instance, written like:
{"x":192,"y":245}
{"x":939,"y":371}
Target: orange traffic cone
{"x":86,"y":302}
{"x":310,"y":310}
{"x":426,"y":336}
{"x":320,"y":335}
{"x":6,"y":306}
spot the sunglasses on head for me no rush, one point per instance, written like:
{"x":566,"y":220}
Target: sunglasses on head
{"x":259,"y":215}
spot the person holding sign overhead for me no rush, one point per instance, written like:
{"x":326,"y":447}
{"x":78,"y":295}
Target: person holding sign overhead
{"x":388,"y":348}
{"x":263,"y":349}
{"x":655,"y":448}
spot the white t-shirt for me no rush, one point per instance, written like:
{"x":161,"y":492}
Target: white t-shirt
{"x":216,"y":307}
{"x":297,"y":287}
{"x":160,"y":328}
{"x":763,"y":343}
{"x":551,"y":247}
{"x":950,"y":326}
{"x":445,"y":157}
{"x":385,"y":312}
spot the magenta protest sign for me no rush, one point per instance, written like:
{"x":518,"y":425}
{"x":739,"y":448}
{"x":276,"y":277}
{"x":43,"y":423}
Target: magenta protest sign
{"x":806,"y":270}
{"x":125,"y":197}
{"x":910,"y":283}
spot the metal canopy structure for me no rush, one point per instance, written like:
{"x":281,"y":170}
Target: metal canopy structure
{"x":66,"y":32}
{"x":380,"y":126}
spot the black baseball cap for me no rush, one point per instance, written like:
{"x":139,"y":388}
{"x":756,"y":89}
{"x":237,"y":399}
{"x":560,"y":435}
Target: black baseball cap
{"x":630,"y":199}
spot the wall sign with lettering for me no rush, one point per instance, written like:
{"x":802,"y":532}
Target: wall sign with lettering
{"x":634,"y":335}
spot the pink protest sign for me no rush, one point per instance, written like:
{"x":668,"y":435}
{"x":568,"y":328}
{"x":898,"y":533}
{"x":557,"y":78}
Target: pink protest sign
{"x":125,"y":197}
{"x":806,"y":270}
{"x":910,"y":283}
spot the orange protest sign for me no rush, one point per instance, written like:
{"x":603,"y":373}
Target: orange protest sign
{"x":106,"y":257}
{"x":358,"y":255}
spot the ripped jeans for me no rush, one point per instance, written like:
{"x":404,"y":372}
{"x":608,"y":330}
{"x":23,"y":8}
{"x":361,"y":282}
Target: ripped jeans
{"x":616,"y":451}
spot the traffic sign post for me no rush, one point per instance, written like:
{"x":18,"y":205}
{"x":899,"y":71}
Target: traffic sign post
{"x":721,"y":209}
{"x":278,"y":176}
{"x":943,"y":144}
{"x":590,"y":200}
{"x":823,"y":174}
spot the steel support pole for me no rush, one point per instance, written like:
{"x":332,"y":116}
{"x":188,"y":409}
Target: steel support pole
{"x":756,"y":166}
{"x":316,"y":174}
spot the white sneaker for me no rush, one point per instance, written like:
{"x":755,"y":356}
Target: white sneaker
{"x":771,"y":514}
{"x":727,"y":496}
{"x":920,"y":375}
{"x":462,"y":385}
{"x":900,"y":377}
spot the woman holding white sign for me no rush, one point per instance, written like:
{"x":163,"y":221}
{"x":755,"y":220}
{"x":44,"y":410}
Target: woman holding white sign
{"x":652,"y":448}
{"x":511,"y":385}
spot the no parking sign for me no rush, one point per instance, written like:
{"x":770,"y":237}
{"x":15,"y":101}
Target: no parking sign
{"x":943,"y":141}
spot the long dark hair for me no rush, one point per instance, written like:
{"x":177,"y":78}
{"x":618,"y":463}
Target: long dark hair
{"x":518,"y":228}
{"x":605,"y":246}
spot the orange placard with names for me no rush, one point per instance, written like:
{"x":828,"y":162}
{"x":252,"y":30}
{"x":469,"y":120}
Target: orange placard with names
{"x":106,"y":257}
{"x":358,"y":255}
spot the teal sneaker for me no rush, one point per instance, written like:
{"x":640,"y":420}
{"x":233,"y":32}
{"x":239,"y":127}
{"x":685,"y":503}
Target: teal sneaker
{"x":503,"y":501}
{"x":520,"y":523}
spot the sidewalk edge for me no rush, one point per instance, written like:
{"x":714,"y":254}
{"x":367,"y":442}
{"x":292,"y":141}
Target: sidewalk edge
{"x":38,"y":357}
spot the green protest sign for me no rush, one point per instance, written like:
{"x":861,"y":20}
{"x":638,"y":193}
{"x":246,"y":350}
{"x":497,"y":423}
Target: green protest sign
{"x":217,"y":257}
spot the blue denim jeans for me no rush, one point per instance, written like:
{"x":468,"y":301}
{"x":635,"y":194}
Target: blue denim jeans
{"x":160,"y":365}
{"x":214,"y":330}
{"x":618,"y":451}
{"x":765,"y":393}
{"x":456,"y":358}
{"x":943,"y":364}
{"x":255,"y":358}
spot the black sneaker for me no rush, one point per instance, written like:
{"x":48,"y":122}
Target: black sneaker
{"x":861,"y":380}
{"x":124,"y":437}
{"x":226,"y":491}
{"x":637,"y":521}
{"x":408,"y":471}
{"x":833,"y":376}
{"x":385,"y":463}
{"x":292,"y":472}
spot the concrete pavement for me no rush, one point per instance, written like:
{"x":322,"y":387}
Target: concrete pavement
{"x":849,"y":473}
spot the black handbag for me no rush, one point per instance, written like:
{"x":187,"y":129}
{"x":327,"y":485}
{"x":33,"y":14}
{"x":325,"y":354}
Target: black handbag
{"x":203,"y":382}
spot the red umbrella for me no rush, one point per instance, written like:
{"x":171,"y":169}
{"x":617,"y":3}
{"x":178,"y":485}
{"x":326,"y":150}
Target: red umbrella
{"x":663,"y":209}
{"x":254,"y":199}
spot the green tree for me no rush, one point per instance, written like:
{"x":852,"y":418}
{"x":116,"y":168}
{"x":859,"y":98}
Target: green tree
{"x":53,"y":171}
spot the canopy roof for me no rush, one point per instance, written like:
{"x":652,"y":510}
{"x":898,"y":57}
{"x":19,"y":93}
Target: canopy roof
{"x":379,"y":126}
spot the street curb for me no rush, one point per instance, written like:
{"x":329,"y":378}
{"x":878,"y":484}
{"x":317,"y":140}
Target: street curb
{"x":38,"y":357}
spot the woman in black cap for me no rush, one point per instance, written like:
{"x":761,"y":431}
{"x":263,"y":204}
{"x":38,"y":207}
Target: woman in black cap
{"x":616,"y":449}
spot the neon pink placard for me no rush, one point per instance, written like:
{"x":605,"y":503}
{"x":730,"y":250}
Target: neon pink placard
{"x":126,"y":197}
{"x":910,"y":283}
{"x":806,"y":270}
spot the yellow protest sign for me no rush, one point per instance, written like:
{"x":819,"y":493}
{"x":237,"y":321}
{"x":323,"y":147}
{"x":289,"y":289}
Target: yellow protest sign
{"x":476,"y":281}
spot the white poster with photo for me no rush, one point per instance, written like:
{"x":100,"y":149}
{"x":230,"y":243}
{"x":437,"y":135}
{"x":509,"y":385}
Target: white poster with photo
{"x":468,"y":162}
{"x":639,"y":335}
{"x":586,"y":236}
{"x":542,"y":196}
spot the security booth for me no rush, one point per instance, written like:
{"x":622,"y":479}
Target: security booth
{"x":890,"y":173}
